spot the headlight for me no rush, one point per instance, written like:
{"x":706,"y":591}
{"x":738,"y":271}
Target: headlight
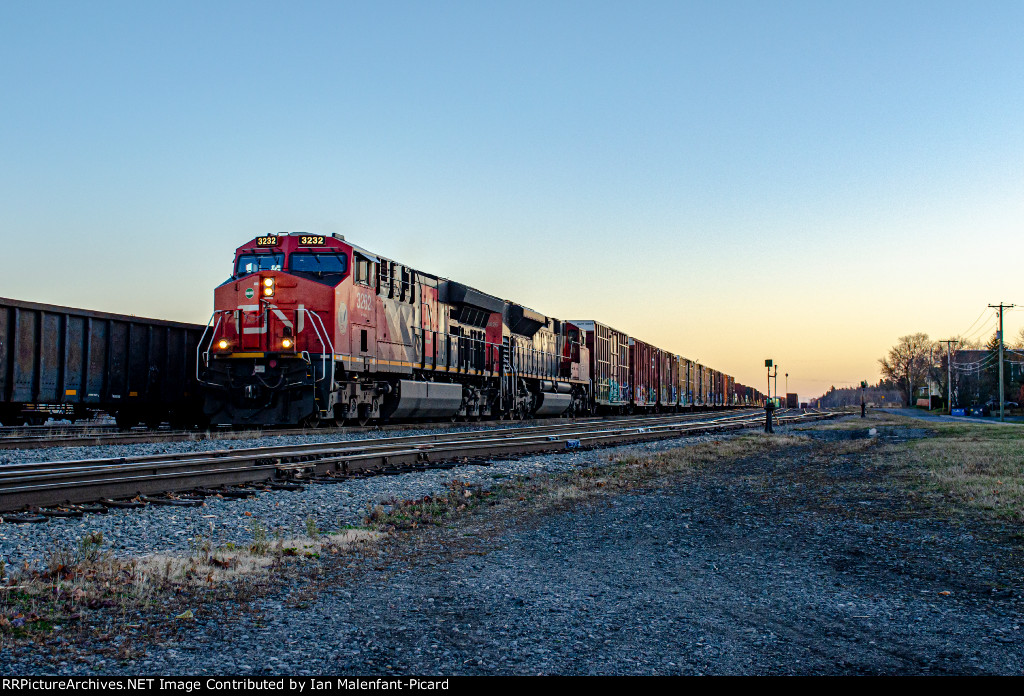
{"x":269,"y":282}
{"x":286,"y":343}
{"x":223,"y":344}
{"x":268,"y":287}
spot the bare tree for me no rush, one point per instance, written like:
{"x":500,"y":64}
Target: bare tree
{"x":907,"y":363}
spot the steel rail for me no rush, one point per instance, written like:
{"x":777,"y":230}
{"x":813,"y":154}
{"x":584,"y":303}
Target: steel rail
{"x":315,"y":447}
{"x":65,"y":436}
{"x":44,"y":484}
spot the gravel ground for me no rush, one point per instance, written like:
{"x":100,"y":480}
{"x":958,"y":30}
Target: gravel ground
{"x":157,"y":529}
{"x":772,"y":564}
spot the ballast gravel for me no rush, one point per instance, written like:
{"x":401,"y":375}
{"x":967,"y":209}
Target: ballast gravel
{"x":163,"y":529}
{"x":772,"y":564}
{"x":777,"y":563}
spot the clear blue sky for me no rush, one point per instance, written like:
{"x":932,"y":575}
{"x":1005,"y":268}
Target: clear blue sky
{"x":632,"y":161}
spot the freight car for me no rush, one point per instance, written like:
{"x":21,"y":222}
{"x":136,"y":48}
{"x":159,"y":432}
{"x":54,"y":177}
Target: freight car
{"x":312,"y":328}
{"x":609,"y":364}
{"x":72,"y":363}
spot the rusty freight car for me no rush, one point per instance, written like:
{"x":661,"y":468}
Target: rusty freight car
{"x":643,"y":372}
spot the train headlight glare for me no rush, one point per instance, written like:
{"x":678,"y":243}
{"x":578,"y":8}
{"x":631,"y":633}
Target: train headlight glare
{"x":269,"y":282}
{"x":286,"y":343}
{"x":268,"y":291}
{"x":222,"y":344}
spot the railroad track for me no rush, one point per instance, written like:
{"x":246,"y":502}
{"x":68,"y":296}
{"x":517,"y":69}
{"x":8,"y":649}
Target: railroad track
{"x":44,"y":436}
{"x":70,"y":488}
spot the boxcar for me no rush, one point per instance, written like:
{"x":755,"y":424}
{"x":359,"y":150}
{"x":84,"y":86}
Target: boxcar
{"x":71,"y":363}
{"x":643,"y":372}
{"x":689,"y":383}
{"x":609,"y":363}
{"x":668,"y":377}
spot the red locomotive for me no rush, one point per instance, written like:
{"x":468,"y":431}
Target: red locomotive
{"x":311,"y":328}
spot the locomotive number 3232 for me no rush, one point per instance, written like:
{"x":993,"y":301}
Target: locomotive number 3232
{"x":311,"y":241}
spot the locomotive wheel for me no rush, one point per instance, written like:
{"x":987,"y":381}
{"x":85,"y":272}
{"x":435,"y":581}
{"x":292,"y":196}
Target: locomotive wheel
{"x":364,"y":414}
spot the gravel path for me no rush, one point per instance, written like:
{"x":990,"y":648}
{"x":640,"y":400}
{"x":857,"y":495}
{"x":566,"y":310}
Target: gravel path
{"x":926,"y":416}
{"x":782,"y":564}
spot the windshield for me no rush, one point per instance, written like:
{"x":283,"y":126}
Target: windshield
{"x":318,"y":263}
{"x":251,"y":263}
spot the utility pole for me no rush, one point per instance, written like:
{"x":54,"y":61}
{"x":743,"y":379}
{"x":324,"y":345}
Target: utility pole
{"x":949,"y":376}
{"x":1001,"y":307}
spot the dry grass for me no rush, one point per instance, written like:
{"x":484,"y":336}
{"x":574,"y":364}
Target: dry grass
{"x":980,"y":466}
{"x":230,"y":564}
{"x":86,"y":583}
{"x":632,"y":473}
{"x":874,"y":419}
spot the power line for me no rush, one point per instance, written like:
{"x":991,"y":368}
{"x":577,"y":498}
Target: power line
{"x":980,"y":330}
{"x":974,"y":322}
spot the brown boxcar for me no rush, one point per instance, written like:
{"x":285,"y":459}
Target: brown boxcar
{"x":72,"y":362}
{"x":643,"y":372}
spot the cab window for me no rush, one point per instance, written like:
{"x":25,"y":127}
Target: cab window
{"x":363,"y":270}
{"x":318,"y":263}
{"x":253,"y":263}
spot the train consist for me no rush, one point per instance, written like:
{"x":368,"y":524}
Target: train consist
{"x":71,"y":363}
{"x":311,"y":328}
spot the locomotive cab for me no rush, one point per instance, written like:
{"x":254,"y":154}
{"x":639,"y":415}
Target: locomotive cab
{"x":273,"y":341}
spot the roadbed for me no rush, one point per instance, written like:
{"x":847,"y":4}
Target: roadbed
{"x":802,"y":561}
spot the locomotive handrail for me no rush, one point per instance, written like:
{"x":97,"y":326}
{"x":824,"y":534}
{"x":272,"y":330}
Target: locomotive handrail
{"x":325,"y":342}
{"x":472,"y":344}
{"x":199,"y":345}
